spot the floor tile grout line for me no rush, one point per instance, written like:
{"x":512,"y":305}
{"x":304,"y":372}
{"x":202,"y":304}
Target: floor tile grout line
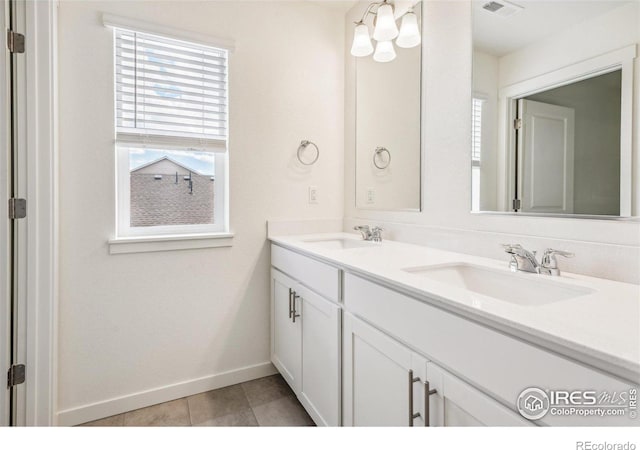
{"x":189,"y":411}
{"x":254,"y":416}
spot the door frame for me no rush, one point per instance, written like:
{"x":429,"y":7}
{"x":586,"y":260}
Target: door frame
{"x":38,"y":159}
{"x":620,"y":59}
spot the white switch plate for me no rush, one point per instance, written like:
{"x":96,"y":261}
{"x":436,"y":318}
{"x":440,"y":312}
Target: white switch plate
{"x":313,"y":195}
{"x":371,"y":195}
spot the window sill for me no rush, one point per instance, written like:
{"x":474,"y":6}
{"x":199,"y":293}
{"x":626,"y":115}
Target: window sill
{"x":142,"y":244}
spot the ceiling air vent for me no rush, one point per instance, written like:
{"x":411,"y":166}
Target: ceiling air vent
{"x":502,"y":8}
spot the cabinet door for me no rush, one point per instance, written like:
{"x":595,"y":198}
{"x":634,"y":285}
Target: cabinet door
{"x":320,"y":385}
{"x":378,"y":377}
{"x":456,"y":404}
{"x":286,"y":348}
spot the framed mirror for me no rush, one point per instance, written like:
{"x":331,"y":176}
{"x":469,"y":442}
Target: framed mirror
{"x":388,"y":120}
{"x":552,"y":107}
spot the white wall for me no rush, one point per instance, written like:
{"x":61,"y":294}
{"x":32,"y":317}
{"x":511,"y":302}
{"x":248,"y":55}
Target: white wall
{"x":132,"y":323}
{"x":603,"y":248}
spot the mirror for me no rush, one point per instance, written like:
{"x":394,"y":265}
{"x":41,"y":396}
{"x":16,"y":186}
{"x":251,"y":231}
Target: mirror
{"x":552,"y":107}
{"x":388,"y":106}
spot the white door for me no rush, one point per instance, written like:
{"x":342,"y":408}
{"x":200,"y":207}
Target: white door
{"x":455,"y":403}
{"x":545,"y":157}
{"x":286,"y":338}
{"x":381,"y":378}
{"x":320,"y":381}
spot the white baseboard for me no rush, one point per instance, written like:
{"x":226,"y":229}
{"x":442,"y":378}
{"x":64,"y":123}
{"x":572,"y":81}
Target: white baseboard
{"x":118,"y":405}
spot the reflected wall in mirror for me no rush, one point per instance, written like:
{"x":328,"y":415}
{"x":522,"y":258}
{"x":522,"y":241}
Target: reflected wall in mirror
{"x":552,"y":107}
{"x":388,"y":107}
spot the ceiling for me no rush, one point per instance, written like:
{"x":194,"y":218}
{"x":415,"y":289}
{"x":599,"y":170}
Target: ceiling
{"x":342,"y":5}
{"x":499,"y":36}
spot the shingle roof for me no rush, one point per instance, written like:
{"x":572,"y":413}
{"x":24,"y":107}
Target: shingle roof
{"x":170,"y":200}
{"x":167,"y":159}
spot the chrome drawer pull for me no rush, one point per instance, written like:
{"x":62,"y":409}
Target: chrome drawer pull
{"x":293,"y":312}
{"x":412,"y":415}
{"x":427,"y":393}
{"x":290,"y":294}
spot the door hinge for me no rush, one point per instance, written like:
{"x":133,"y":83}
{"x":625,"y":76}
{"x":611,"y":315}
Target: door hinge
{"x":517,"y":204}
{"x":16,"y":375}
{"x":15,"y":42}
{"x":517,"y":124}
{"x":17,"y":208}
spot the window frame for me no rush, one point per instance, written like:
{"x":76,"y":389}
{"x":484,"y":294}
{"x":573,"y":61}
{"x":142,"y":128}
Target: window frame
{"x":123,"y":228}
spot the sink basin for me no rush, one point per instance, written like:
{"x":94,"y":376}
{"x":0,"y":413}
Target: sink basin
{"x":521,"y":289}
{"x":340,"y":243}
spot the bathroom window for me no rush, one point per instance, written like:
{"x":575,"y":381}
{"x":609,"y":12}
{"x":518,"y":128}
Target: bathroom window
{"x":171,"y":118}
{"x":476,"y":150}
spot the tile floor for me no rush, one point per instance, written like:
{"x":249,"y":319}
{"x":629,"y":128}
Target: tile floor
{"x":264,"y":402}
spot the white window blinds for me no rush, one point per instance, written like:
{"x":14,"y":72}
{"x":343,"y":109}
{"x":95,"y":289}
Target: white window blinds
{"x":476,"y":130}
{"x":170,"y":92}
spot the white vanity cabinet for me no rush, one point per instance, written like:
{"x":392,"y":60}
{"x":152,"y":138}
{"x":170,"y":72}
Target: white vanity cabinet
{"x":388,"y":384}
{"x":455,"y":403}
{"x":497,"y":364}
{"x":286,"y":335}
{"x":359,"y":351}
{"x":383,"y":380}
{"x":306,"y":334}
{"x":320,"y":381}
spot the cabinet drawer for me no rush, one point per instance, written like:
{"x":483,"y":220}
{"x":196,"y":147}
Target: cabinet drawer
{"x":498,"y":364}
{"x":320,"y":277}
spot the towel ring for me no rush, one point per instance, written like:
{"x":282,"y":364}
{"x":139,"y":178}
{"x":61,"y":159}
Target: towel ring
{"x":377,"y":152}
{"x":302,"y":147}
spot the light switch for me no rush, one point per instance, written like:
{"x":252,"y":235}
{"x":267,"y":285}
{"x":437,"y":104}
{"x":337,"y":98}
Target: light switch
{"x":371,"y":195}
{"x":313,"y":194}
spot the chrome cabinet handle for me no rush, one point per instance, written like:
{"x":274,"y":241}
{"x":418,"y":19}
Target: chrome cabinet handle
{"x":427,"y":393}
{"x":412,"y":415}
{"x":290,"y":295}
{"x":293,"y":312}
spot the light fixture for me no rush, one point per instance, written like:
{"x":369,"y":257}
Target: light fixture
{"x":409,"y":31}
{"x":384,"y":52}
{"x":361,"y":41}
{"x":386,"y":30}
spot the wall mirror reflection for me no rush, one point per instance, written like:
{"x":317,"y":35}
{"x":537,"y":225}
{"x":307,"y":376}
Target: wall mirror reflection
{"x":388,"y":105}
{"x":552,"y":107}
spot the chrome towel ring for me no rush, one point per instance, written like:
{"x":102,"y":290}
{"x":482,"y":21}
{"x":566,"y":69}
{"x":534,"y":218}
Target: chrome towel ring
{"x":377,"y":152}
{"x":303,"y":145}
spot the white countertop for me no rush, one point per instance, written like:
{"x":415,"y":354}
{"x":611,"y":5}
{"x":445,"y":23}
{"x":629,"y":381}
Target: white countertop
{"x":601,"y":328}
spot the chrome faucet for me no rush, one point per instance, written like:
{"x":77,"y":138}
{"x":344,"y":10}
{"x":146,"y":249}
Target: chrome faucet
{"x":521,"y":260}
{"x":525,"y":261}
{"x":369,"y":234}
{"x":549,"y":264}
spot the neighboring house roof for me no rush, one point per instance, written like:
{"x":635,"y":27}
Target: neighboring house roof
{"x":173,"y":161}
{"x":165,"y":200}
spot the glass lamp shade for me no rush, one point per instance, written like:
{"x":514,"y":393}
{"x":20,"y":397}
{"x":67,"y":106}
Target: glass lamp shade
{"x":384,"y":52}
{"x":386,"y":28}
{"x":409,"y":31}
{"x":361,"y":41}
